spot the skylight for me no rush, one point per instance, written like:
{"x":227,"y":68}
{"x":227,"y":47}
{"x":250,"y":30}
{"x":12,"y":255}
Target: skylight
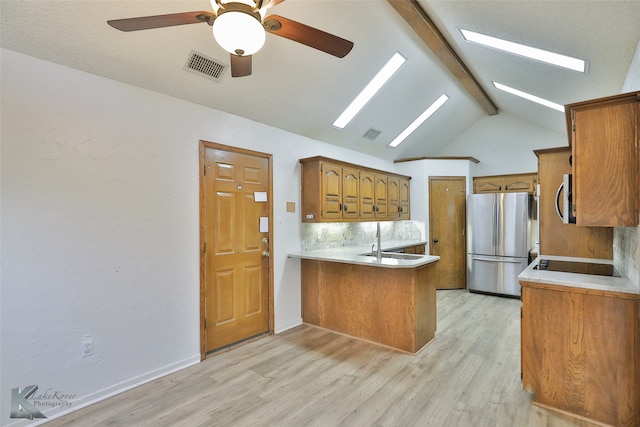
{"x":529,"y":97}
{"x":564,"y":61}
{"x":421,"y":119}
{"x":370,"y":90}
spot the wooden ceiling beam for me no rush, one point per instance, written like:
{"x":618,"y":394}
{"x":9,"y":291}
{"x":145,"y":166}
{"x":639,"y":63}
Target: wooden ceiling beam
{"x":422,"y":24}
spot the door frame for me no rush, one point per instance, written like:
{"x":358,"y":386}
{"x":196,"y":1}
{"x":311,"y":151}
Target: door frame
{"x":464,"y":179}
{"x":203,"y":146}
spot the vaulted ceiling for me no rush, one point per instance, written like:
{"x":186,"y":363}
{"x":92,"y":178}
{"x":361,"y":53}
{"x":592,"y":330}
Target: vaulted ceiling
{"x":303,"y":90}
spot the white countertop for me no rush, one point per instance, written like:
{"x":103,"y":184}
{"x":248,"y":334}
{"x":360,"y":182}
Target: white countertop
{"x":353,"y":255}
{"x":578,"y":280}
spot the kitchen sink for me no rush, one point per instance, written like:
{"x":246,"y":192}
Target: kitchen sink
{"x":396,"y":255}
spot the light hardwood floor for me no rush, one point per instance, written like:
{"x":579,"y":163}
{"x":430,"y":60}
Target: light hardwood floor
{"x":469,"y":375}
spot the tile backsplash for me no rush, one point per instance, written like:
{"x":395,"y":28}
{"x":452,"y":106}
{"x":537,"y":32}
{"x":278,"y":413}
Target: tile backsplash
{"x":339,"y":234}
{"x":626,"y":244}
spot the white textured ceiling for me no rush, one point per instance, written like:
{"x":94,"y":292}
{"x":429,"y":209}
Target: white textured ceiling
{"x":302,"y":90}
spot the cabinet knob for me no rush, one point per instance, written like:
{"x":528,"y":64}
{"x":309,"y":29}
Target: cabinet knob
{"x":344,"y":207}
{"x":435,"y":240}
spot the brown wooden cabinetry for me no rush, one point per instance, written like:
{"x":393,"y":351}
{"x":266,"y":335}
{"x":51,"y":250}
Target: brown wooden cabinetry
{"x":405,"y":197}
{"x":505,"y":183}
{"x":604,"y":141}
{"x":380,"y":191}
{"x":561,"y":239}
{"x":367,"y":196}
{"x":580,"y":352}
{"x":335,"y":191}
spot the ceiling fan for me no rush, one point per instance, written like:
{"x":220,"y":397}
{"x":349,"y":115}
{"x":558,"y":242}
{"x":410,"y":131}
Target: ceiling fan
{"x":239,"y":28}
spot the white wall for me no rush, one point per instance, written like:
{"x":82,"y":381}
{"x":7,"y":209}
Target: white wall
{"x":420,"y":171}
{"x":503,"y":144}
{"x":100,"y":227}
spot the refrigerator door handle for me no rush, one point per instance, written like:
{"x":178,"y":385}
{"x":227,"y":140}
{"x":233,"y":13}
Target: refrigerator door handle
{"x":514,"y":261}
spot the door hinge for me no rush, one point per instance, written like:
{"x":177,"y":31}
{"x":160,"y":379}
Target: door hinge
{"x":204,"y":171}
{"x":205,"y":323}
{"x":204,"y":247}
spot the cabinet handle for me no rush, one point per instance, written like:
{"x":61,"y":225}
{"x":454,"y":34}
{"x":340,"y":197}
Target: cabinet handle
{"x":435,"y":240}
{"x":344,"y":207}
{"x":340,"y":207}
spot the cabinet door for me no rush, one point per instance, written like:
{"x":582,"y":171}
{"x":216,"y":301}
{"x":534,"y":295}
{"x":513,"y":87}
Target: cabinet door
{"x":350,"y":193}
{"x":404,"y":198}
{"x":367,"y":195}
{"x":487,"y":185}
{"x":605,"y":162}
{"x":331,"y":191}
{"x":393,"y":197}
{"x":519,"y":183}
{"x":380,"y":196}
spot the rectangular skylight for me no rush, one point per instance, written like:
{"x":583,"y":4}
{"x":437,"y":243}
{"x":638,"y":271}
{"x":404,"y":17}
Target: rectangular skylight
{"x":370,"y":90}
{"x":529,"y":97}
{"x":526,"y":51}
{"x":421,"y":119}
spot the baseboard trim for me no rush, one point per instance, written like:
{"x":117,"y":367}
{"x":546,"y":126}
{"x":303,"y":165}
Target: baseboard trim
{"x":120,"y":387}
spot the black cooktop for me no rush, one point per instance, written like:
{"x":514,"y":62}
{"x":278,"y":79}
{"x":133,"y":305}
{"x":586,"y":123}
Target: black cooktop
{"x":576,"y":267}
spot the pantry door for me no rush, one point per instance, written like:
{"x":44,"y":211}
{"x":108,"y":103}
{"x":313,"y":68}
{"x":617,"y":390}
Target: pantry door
{"x":447,"y":223}
{"x":236,"y":301}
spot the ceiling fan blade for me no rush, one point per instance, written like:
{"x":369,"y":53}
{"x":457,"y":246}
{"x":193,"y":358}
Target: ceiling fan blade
{"x":307,"y":35}
{"x":240,"y":65}
{"x":159,"y":21}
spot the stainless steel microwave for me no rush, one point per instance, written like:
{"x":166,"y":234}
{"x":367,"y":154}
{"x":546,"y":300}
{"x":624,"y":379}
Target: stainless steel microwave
{"x":564,"y":199}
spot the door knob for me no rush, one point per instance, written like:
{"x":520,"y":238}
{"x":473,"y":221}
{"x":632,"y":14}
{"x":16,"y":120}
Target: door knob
{"x":266,"y":253}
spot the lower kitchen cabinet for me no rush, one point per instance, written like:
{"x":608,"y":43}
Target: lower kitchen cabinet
{"x":580,"y":352}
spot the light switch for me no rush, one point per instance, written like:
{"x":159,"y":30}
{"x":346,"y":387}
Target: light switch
{"x":291,"y":206}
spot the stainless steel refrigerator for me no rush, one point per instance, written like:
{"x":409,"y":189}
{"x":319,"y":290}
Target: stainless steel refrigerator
{"x":498,"y":241}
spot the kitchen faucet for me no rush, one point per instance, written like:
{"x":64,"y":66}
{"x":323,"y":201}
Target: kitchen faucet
{"x":379,"y":250}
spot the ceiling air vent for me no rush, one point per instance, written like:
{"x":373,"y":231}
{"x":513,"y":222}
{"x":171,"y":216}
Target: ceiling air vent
{"x":203,"y":66}
{"x":371,"y":134}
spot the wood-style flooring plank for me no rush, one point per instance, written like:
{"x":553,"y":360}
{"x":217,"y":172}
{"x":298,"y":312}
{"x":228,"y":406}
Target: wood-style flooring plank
{"x":469,"y":375}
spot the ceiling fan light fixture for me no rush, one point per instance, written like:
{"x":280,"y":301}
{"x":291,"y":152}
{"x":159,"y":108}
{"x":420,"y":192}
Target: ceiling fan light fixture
{"x":239,"y":32}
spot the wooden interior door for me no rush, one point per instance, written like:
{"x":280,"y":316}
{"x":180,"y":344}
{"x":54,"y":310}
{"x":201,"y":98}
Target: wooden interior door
{"x":447,"y":222}
{"x":236,"y":278}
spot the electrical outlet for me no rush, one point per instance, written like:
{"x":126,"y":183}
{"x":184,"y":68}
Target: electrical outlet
{"x":87,"y":347}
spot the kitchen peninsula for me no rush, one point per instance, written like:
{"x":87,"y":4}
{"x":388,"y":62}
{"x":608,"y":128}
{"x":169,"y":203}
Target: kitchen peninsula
{"x":390,"y":301}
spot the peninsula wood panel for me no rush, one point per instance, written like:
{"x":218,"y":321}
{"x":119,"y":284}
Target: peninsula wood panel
{"x":391,"y":306}
{"x":561,"y":239}
{"x":580,"y":352}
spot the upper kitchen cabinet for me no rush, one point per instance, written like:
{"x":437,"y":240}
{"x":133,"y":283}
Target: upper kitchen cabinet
{"x":335,"y":191}
{"x":505,"y":183}
{"x":603,"y":134}
{"x":405,"y":194}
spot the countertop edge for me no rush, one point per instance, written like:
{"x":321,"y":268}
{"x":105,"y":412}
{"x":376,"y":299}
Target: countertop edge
{"x":353,"y":255}
{"x":578,"y":280}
